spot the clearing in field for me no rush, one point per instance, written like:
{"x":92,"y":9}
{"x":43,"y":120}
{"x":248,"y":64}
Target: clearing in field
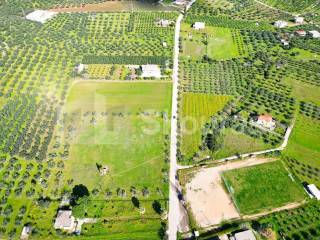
{"x":262,"y":188}
{"x":221,"y":45}
{"x":215,"y":42}
{"x":120,"y":126}
{"x":206,"y":194}
{"x":196,"y":110}
{"x":304,"y":91}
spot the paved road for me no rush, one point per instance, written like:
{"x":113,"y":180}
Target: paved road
{"x":281,"y":148}
{"x":174,"y":209}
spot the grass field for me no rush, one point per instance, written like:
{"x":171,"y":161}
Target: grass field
{"x":304,"y":142}
{"x":304,"y":55}
{"x":196,"y":110}
{"x":114,"y":230}
{"x":263,"y":187}
{"x":121,"y":139}
{"x":220,"y":44}
{"x":304,"y":148}
{"x":215,"y":42}
{"x":238,"y":143}
{"x":304,"y":91}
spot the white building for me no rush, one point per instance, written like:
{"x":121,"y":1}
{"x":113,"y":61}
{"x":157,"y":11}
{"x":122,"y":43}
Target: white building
{"x":280,"y":24}
{"x":199,"y":25}
{"x":301,"y":33}
{"x":65,"y":221}
{"x":151,"y":70}
{"x":164,"y":23}
{"x":284,"y":42}
{"x":40,"y":16}
{"x":315,"y":34}
{"x":25,"y":233}
{"x":245,"y":235}
{"x":80,"y":68}
{"x":299,"y":20}
{"x":180,"y":2}
{"x":314,"y":191}
{"x":266,"y":121}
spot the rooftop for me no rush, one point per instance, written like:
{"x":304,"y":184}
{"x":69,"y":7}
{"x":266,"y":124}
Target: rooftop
{"x":245,"y":235}
{"x":40,"y":15}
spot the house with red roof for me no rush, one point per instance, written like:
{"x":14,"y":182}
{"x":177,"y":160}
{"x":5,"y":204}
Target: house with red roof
{"x":266,"y":121}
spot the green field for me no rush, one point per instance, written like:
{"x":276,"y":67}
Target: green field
{"x":238,"y":143}
{"x":196,"y":111}
{"x":304,"y":91}
{"x":221,"y":45}
{"x":304,"y":149}
{"x":215,"y":42}
{"x":120,"y":140}
{"x":263,"y":187}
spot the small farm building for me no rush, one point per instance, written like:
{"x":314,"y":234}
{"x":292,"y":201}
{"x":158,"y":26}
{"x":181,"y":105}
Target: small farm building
{"x":245,"y":235}
{"x":199,"y":25}
{"x":301,"y":33}
{"x":151,"y":70}
{"x":315,"y":34}
{"x":299,"y":20}
{"x":164,"y":23}
{"x":280,"y":24}
{"x":65,"y":221}
{"x":40,"y":16}
{"x":314,"y":191}
{"x":25,"y":232}
{"x":266,"y":121}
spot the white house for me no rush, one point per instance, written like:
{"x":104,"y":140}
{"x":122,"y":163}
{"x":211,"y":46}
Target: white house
{"x":164,"y":23}
{"x":199,"y":25}
{"x":299,"y":20}
{"x":314,"y":191}
{"x":25,"y":233}
{"x":40,"y":16}
{"x":301,"y":33}
{"x":245,"y":235}
{"x":80,"y":68}
{"x":65,"y":221}
{"x":266,"y":121}
{"x":284,"y":42}
{"x":180,"y":2}
{"x":315,"y":34}
{"x":150,"y":70}
{"x":280,"y":24}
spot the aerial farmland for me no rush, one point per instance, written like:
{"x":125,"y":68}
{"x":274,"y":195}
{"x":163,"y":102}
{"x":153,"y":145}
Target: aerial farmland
{"x":160,"y":119}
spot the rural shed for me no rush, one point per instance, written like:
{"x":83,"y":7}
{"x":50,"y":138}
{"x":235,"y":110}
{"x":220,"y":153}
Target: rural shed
{"x":280,"y":24}
{"x":198,"y":25}
{"x":151,"y":70}
{"x":65,"y":220}
{"x":314,"y":191}
{"x":245,"y":235}
{"x":41,"y":16}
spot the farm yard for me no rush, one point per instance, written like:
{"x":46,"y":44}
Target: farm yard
{"x":271,"y":183}
{"x":209,"y":201}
